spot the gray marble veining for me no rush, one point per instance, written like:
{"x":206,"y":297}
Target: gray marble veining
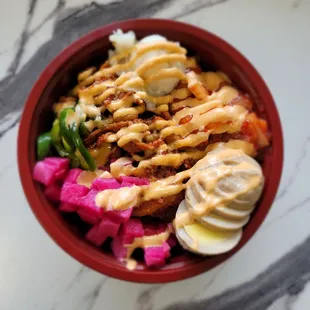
{"x":282,"y":280}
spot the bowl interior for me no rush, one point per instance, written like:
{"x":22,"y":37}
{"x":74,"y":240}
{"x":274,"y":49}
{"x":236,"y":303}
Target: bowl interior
{"x":60,"y":76}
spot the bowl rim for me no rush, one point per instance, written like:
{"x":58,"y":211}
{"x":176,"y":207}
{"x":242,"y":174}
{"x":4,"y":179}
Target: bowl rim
{"x":87,"y":255}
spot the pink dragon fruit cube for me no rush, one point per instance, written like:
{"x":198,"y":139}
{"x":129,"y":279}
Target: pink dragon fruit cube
{"x":166,"y":249}
{"x":122,"y":216}
{"x":109,"y":227}
{"x":131,"y":230}
{"x":95,"y":236}
{"x":154,"y":256}
{"x":73,"y":175}
{"x":101,"y":184}
{"x":126,"y":184}
{"x":67,"y":207}
{"x":52,"y":192}
{"x":118,"y":249}
{"x":73,"y":193}
{"x":172,"y":241}
{"x":58,"y":162}
{"x":89,"y":211}
{"x":134,"y":180}
{"x":44,"y":173}
{"x":128,"y":232}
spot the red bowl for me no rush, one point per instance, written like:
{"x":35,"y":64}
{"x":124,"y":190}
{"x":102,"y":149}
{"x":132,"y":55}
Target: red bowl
{"x":60,"y":75}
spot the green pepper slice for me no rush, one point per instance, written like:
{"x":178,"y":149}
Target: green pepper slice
{"x":82,"y":150}
{"x":70,"y":132}
{"x":64,"y":130}
{"x":44,"y":143}
{"x":63,"y":151}
{"x":56,"y":140}
{"x":83,"y":130}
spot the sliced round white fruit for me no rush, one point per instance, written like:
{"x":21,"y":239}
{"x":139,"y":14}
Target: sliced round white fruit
{"x":222,"y":224}
{"x":222,"y":211}
{"x":232,"y":214}
{"x":201,"y":240}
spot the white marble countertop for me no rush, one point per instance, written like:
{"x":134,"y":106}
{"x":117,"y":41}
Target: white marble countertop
{"x":272,"y":271}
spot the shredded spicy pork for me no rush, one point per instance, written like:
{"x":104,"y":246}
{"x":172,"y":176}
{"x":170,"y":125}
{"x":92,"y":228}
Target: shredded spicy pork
{"x":149,"y":144}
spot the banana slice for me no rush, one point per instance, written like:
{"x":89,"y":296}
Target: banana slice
{"x":201,"y":240}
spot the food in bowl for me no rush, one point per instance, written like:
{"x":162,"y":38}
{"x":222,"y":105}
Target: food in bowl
{"x":157,"y":148}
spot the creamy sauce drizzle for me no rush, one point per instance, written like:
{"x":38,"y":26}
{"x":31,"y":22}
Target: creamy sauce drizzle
{"x":144,"y":242}
{"x":147,"y":241}
{"x":125,"y":198}
{"x":134,"y":73}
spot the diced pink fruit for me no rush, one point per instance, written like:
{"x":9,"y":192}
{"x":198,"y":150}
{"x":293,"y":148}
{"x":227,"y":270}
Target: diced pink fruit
{"x":44,"y":173}
{"x":118,"y":249}
{"x":109,"y":227}
{"x":60,"y":175}
{"x":101,"y":184}
{"x":154,"y":256}
{"x":128,"y":232}
{"x":50,"y":169}
{"x":134,"y":180}
{"x":52,"y":192}
{"x":154,"y":229}
{"x":58,"y":162}
{"x":172,"y":241}
{"x":67,"y":207}
{"x":88,"y":217}
{"x":73,"y":175}
{"x":166,"y":248}
{"x":131,"y":230}
{"x":61,"y":166}
{"x":149,"y":230}
{"x":88,"y":209}
{"x":126,"y":184}
{"x":73,"y":193}
{"x":162,"y":227}
{"x":89,"y":200}
{"x":118,"y":216}
{"x":95,"y":236}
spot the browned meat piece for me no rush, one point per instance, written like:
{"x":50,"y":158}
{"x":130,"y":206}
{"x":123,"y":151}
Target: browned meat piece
{"x":158,"y":207}
{"x":136,"y":146}
{"x":172,"y":138}
{"x":114,"y":127}
{"x":166,"y":115}
{"x":121,"y":95}
{"x":91,"y":139}
{"x":153,"y":119}
{"x":103,"y":138}
{"x":159,"y":172}
{"x":189,"y":163}
{"x":166,"y":214}
{"x":107,"y":101}
{"x":185,"y":119}
{"x":124,"y":95}
{"x":101,"y":79}
{"x":224,"y":137}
